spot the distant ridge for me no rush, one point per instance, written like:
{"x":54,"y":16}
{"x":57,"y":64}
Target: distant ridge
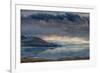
{"x":36,"y":42}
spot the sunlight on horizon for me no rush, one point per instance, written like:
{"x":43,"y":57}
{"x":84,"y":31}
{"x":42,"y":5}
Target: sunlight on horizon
{"x":75,"y":40}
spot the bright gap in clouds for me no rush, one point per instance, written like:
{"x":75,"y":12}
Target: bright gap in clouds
{"x":65,"y":39}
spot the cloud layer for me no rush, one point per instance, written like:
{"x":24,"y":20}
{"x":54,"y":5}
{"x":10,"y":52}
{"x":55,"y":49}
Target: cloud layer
{"x":47,"y":23}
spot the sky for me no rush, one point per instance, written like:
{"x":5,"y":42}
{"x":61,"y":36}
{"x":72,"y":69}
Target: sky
{"x":30,"y":12}
{"x":51,"y":25}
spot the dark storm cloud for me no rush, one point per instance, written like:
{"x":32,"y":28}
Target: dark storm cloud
{"x":30,"y":12}
{"x":72,"y":24}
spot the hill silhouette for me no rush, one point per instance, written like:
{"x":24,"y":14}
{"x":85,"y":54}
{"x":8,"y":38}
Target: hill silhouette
{"x":36,"y":42}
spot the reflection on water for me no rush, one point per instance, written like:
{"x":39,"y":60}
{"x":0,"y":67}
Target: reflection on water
{"x":55,"y":53}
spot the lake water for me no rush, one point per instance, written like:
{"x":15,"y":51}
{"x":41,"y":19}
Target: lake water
{"x":68,"y":50}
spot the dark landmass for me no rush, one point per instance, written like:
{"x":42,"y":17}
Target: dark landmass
{"x":36,"y":42}
{"x":74,"y":58}
{"x":28,"y":60}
